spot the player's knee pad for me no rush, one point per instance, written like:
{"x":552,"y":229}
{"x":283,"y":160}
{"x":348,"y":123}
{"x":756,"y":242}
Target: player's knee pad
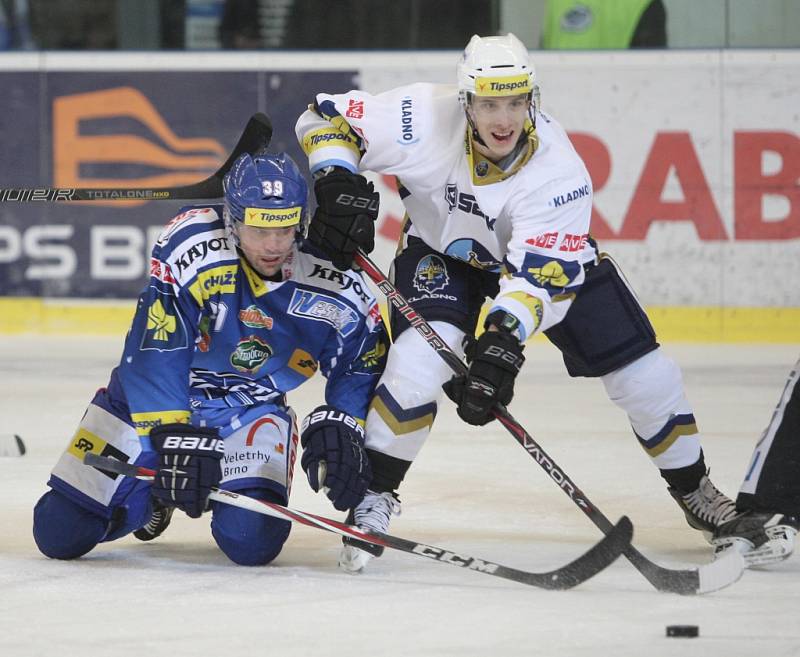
{"x":650,"y":387}
{"x":414,"y":372}
{"x":406,"y":399}
{"x":248,"y":538}
{"x":63,"y":529}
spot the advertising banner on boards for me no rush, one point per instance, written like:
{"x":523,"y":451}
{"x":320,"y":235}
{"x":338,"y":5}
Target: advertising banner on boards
{"x":694,"y":158}
{"x":126,"y":129}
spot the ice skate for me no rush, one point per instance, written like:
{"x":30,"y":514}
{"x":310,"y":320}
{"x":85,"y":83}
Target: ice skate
{"x":372,"y":515}
{"x":159,"y":521}
{"x":705,"y":508}
{"x":761,"y":537}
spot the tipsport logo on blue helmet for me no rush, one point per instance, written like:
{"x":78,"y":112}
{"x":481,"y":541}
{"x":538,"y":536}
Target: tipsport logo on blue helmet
{"x":265,"y":191}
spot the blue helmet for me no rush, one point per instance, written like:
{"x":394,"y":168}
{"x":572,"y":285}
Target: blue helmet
{"x":265,"y":191}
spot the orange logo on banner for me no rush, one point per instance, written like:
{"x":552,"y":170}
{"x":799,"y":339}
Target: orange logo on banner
{"x":189,"y":160}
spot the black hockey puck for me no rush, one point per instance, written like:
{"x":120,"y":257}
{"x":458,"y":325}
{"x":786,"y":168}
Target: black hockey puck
{"x":688,"y":631}
{"x":11,"y":445}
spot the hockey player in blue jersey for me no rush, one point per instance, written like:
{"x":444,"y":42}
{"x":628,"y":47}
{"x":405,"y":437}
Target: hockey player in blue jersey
{"x":238,"y":311}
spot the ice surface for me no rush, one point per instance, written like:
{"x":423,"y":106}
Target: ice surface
{"x":472,"y":490}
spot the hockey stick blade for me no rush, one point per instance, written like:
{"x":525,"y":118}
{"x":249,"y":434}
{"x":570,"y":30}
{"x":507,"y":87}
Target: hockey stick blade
{"x":709,"y":577}
{"x":703,"y":579}
{"x":256,"y":136}
{"x":584,"y":567}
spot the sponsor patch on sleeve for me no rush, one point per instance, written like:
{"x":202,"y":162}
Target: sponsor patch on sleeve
{"x":548,"y":273}
{"x":303,"y":363}
{"x":165,"y":329}
{"x":328,"y":136}
{"x":85,"y":442}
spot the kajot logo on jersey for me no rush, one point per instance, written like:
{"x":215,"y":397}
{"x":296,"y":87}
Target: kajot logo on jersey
{"x":431,"y":274}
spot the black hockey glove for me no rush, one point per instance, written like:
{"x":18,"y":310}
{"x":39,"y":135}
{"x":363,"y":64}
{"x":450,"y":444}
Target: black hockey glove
{"x":495,"y":359}
{"x":334,"y":456}
{"x":188,"y":465}
{"x":344,"y":221}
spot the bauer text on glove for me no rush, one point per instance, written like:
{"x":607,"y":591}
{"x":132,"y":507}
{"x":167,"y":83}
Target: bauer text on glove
{"x":495,"y":359}
{"x":334,"y":456}
{"x":344,"y":221}
{"x":188,"y":465}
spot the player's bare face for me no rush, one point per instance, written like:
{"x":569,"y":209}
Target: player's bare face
{"x":266,"y":249}
{"x":499,"y":122}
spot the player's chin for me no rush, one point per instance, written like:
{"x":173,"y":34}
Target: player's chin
{"x":503,"y":147}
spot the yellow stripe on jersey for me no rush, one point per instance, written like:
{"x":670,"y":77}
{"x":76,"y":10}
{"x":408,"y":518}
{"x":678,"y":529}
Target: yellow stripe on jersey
{"x":486,"y":172}
{"x":397,"y":426}
{"x":257,"y":285}
{"x":531,"y":303}
{"x":329,"y":136}
{"x":670,"y":438}
{"x":143,"y":422}
{"x":217,"y":280}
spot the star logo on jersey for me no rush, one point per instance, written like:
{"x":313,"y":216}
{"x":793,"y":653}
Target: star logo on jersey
{"x":251,"y":353}
{"x":551,"y":274}
{"x":160,"y":322}
{"x":431,"y":274}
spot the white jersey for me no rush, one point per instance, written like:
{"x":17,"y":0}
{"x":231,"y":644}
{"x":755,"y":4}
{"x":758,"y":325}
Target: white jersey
{"x":529,"y":221}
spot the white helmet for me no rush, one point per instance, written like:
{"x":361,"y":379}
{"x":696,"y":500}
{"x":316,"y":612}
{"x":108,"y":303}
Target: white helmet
{"x":494,"y":66}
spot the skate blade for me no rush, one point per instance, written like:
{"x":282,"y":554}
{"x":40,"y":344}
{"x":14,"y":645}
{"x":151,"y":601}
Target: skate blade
{"x":778,"y":548}
{"x":352,"y":560}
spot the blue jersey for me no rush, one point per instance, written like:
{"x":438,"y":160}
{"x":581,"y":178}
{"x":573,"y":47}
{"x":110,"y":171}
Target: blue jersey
{"x":211,"y":333}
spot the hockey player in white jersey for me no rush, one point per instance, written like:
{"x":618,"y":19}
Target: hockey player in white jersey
{"x":764,"y":531}
{"x":238,"y":311}
{"x":498,"y":205}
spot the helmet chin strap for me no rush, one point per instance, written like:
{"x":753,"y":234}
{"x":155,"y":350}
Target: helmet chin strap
{"x":476,"y":137}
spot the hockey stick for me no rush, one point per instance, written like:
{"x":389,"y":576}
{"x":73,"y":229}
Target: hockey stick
{"x":572,"y":574}
{"x":703,"y":579}
{"x":257,"y":135}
